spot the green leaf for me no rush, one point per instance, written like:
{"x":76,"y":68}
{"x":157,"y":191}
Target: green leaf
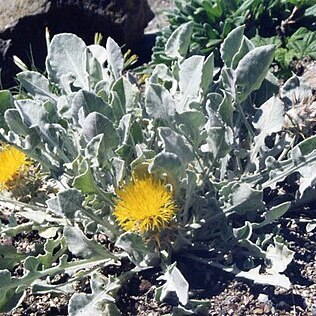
{"x":66,"y":62}
{"x":85,"y":181}
{"x":6,"y":102}
{"x":166,"y":162}
{"x":271,"y":120}
{"x":139,"y":251}
{"x":240,"y":198}
{"x":176,"y":144}
{"x":9,"y":297}
{"x":126,"y":100}
{"x":10,"y":257}
{"x":36,"y":85}
{"x":243,"y":232}
{"x":79,"y":245}
{"x":88,"y":102}
{"x":207,"y":73}
{"x":66,"y":204}
{"x":190,"y":76}
{"x":231,"y":45}
{"x":96,"y":124}
{"x":179,"y":41}
{"x":252,"y":69}
{"x":311,"y":11}
{"x":99,"y":302}
{"x":274,"y":213}
{"x":302,"y":43}
{"x":114,"y":57}
{"x":159,"y":102}
{"x":279,"y":256}
{"x":175,"y":283}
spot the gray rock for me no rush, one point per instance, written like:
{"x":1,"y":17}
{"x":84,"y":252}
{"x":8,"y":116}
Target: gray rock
{"x":23,"y":23}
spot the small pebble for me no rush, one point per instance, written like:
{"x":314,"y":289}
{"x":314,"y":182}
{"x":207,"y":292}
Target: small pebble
{"x":263,"y":298}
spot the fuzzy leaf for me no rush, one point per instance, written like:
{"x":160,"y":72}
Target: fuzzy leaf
{"x":240,"y":198}
{"x":273,"y":214}
{"x":190,"y":75}
{"x":32,"y":113}
{"x":98,"y":303}
{"x":279,"y":256}
{"x":96,"y":124}
{"x":66,"y":203}
{"x":66,"y":62}
{"x":126,"y":97}
{"x":179,"y":41}
{"x":36,"y":85}
{"x":98,"y":152}
{"x":175,"y":283}
{"x":10,"y":257}
{"x":177,"y":144}
{"x":159,"y":102}
{"x":166,"y":162}
{"x":271,"y":120}
{"x":252,"y":69}
{"x":207,"y":73}
{"x":231,"y":44}
{"x":139,"y":252}
{"x":114,"y":57}
{"x":302,"y":159}
{"x":9,"y":297}
{"x":269,"y":279}
{"x":79,"y":245}
{"x":88,"y":102}
{"x":191,"y":124}
{"x":15,"y":122}
{"x":245,"y":48}
{"x":219,"y":137}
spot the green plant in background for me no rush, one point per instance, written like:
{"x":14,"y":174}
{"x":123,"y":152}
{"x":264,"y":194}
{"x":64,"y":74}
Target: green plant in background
{"x":206,"y":153}
{"x":290,"y":25}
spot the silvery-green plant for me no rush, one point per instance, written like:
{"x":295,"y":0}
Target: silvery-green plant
{"x":216,"y":137}
{"x":287,"y":24}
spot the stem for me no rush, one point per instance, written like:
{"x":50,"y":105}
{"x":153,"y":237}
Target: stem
{"x":98,"y":220}
{"x":243,"y":116}
{"x":287,"y":148}
{"x":29,"y":278}
{"x":23,"y":205}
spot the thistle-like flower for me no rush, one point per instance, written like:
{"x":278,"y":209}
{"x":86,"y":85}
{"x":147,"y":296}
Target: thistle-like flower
{"x":144,"y":204}
{"x":12,"y":163}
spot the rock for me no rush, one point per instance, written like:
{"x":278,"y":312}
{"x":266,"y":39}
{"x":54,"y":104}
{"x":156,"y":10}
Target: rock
{"x":263,"y":298}
{"x":23,"y":23}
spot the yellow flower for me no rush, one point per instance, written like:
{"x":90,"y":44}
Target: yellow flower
{"x":144,"y":204}
{"x":12,"y":162}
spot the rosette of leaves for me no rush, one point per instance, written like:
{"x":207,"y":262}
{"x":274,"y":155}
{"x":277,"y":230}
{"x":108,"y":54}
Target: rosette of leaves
{"x":221,"y":146}
{"x":289,"y":25}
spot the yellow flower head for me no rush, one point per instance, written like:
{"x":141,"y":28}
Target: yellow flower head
{"x":12,"y":162}
{"x":144,"y":204}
